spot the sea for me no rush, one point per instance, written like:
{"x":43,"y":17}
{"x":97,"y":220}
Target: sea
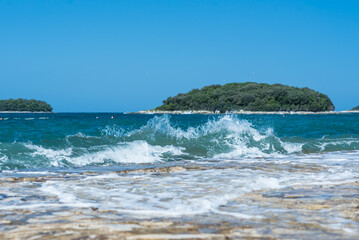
{"x":289,"y":176}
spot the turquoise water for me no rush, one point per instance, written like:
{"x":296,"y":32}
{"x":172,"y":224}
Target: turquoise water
{"x":195,"y":168}
{"x":60,"y":140}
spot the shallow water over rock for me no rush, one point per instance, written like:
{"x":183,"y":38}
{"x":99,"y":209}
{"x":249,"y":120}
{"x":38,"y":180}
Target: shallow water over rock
{"x":210,"y":199}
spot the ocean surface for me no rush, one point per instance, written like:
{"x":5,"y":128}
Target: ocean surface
{"x":196,"y":168}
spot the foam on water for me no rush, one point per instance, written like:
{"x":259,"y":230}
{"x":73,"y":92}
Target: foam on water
{"x":160,"y":139}
{"x":132,"y":152}
{"x":55,"y":156}
{"x":3,"y":158}
{"x":211,"y":191}
{"x":325,"y":144}
{"x":226,"y":124}
{"x":228,"y":133}
{"x":221,"y":163}
{"x":175,"y":195}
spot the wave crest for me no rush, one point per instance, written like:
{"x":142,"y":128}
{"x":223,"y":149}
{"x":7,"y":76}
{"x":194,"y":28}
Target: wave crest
{"x":163,"y":138}
{"x":223,"y":137}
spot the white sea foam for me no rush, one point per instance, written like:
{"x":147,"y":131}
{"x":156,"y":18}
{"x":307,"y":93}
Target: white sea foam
{"x":227,"y":123}
{"x":173,"y":195}
{"x":162,"y":125}
{"x":80,"y":135}
{"x":331,"y":143}
{"x":28,"y":172}
{"x":188,"y":193}
{"x":228,"y":131}
{"x":226,"y":137}
{"x":114,"y":131}
{"x":131,"y":152}
{"x":212,"y":192}
{"x":3,"y":158}
{"x":66,"y":198}
{"x":291,"y":147}
{"x":56,"y":156}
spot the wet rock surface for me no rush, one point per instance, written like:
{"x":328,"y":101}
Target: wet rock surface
{"x":301,"y":211}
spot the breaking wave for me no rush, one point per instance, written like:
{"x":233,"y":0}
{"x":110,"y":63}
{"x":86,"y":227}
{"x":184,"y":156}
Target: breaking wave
{"x":161,"y":139}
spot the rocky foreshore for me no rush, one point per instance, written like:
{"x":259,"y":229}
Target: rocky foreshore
{"x":329,"y":211}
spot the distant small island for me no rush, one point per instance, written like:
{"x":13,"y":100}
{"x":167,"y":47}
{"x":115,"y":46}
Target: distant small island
{"x":249,"y":96}
{"x":355,"y":109}
{"x":24,"y":105}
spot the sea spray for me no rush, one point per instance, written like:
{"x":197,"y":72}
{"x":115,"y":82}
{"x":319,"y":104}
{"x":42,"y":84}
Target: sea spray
{"x":136,"y":139}
{"x":232,"y":174}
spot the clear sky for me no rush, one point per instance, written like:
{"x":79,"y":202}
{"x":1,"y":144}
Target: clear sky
{"x":130,"y":55}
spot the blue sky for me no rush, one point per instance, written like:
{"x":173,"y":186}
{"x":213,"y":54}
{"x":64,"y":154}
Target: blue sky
{"x":130,"y":55}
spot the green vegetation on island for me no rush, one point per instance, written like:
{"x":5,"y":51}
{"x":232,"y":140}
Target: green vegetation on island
{"x":249,"y":96}
{"x":24,"y":105}
{"x":356,"y":108}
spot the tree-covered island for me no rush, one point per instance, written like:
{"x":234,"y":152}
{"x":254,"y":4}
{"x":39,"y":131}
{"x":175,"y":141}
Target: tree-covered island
{"x":248,"y":96}
{"x":24,"y":105}
{"x":356,"y":108}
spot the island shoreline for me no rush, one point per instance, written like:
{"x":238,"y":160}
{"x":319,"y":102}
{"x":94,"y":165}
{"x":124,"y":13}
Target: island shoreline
{"x":4,"y":112}
{"x":205,"y":112}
